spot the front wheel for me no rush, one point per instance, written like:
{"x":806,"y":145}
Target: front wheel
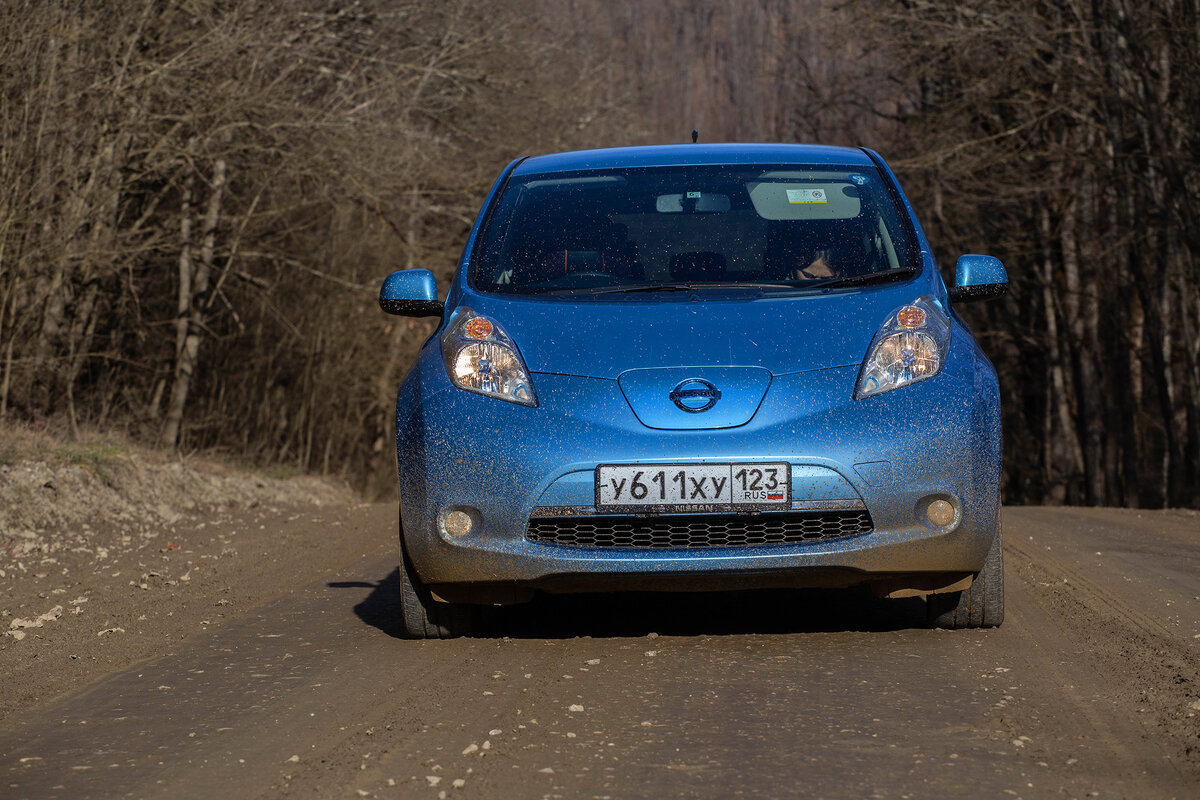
{"x":980,"y":605}
{"x":422,"y":616}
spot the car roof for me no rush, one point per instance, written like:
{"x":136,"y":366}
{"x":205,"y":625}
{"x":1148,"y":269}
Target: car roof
{"x":671,"y":155}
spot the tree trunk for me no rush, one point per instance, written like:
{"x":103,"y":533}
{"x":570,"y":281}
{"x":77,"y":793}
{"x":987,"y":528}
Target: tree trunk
{"x":1136,"y":394}
{"x":1167,"y":387}
{"x":1064,"y":457}
{"x":1090,"y":379}
{"x":189,"y":354}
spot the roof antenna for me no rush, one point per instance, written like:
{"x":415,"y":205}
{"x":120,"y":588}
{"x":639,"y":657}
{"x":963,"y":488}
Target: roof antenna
{"x":695,"y":135}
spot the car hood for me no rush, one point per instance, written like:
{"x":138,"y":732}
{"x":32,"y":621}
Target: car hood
{"x":603,"y":339}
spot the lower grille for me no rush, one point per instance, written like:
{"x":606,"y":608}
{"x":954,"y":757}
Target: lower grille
{"x":687,"y":532}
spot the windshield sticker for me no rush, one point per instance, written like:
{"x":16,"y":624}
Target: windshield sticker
{"x":806,"y":196}
{"x":693,"y":195}
{"x":860,"y":180}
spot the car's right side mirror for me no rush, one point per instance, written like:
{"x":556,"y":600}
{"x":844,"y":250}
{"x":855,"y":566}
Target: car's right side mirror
{"x":978,"y":278}
{"x":410,"y":293}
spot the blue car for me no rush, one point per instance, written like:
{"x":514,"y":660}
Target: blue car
{"x":694,"y":368}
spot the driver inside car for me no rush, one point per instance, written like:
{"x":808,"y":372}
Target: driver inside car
{"x":818,"y":266}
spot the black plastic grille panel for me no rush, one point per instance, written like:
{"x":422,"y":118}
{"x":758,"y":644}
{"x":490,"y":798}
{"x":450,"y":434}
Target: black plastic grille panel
{"x":688,"y":532}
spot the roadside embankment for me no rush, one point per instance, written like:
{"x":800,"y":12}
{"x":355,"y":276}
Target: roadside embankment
{"x":108,"y":550}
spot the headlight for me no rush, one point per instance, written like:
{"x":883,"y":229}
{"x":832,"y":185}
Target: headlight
{"x":911,"y":346}
{"x":480,"y":357}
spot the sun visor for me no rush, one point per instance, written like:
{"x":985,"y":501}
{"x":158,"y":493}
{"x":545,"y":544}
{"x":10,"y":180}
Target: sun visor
{"x":780,"y":200}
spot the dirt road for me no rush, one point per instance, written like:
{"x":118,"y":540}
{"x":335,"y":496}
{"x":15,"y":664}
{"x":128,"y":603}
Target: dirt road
{"x":274,"y":671}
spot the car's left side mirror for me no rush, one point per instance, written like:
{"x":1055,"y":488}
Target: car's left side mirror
{"x":978,"y":278}
{"x":410,"y":293}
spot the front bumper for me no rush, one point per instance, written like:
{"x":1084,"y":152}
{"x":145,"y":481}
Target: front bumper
{"x":889,"y":454}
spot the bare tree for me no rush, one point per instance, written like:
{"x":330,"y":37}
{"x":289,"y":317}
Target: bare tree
{"x":1063,"y":136}
{"x":201,"y":199}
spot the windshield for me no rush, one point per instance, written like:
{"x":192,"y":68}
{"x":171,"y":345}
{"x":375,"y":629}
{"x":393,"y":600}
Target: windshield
{"x":771,"y":228}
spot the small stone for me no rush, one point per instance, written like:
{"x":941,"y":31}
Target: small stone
{"x":293,"y":760}
{"x":471,"y":748}
{"x":651,"y":635}
{"x":458,"y":783}
{"x":575,"y":708}
{"x":434,"y":780}
{"x":546,"y":770}
{"x":593,"y":661}
{"x":495,"y":732}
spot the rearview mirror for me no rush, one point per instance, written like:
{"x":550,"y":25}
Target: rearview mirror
{"x":978,"y":278}
{"x":410,"y":293}
{"x":692,"y":203}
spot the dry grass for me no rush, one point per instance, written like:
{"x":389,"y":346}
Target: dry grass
{"x":99,"y":452}
{"x":50,"y":445}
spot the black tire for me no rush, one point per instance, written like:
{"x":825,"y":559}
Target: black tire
{"x":421,"y":615}
{"x":981,"y":605}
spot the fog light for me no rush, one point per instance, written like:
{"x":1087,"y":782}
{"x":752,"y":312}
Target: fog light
{"x":456,"y":523}
{"x":940,"y":513}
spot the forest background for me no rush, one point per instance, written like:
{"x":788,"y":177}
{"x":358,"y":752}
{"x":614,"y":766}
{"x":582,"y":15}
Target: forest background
{"x":200,"y":197}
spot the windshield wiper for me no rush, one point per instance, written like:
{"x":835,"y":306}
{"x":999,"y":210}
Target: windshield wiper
{"x":857,"y":280}
{"x":642,"y":287}
{"x":692,"y":286}
{"x":681,"y":287}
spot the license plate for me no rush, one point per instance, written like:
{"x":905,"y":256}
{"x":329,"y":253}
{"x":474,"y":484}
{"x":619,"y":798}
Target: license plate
{"x":693,"y":487}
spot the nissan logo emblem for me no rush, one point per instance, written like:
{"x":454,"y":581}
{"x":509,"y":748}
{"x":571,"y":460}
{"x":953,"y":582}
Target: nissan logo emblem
{"x":695,"y":395}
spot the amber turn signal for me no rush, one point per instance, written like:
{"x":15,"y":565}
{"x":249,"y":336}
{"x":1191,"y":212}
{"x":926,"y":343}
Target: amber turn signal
{"x":911,"y":317}
{"x":478,"y":328}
